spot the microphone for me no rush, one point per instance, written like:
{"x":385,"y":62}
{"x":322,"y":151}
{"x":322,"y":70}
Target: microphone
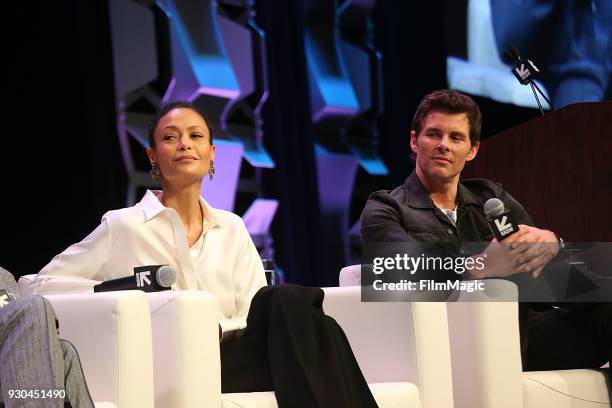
{"x":501,"y":222}
{"x":511,"y":56}
{"x":151,"y":278}
{"x":525,"y":71}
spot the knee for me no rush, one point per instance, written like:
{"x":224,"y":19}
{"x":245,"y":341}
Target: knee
{"x":39,"y":306}
{"x":291,"y":290}
{"x":279,"y":290}
{"x":34,"y":311}
{"x":604,"y":318}
{"x":289,"y":294}
{"x":69,"y":351}
{"x":268,"y":294}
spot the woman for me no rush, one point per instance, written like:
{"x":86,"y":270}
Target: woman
{"x":211,"y":250}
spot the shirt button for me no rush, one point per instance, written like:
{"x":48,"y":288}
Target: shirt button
{"x":450,"y":231}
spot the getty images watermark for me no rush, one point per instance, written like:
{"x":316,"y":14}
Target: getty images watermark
{"x":448,"y":271}
{"x":405,"y":264}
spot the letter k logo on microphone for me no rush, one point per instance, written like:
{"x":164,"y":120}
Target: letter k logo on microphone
{"x":523,"y":73}
{"x":502,"y":226}
{"x":142,"y":277}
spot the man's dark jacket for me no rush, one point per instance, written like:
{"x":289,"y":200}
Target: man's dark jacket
{"x":408,"y":215}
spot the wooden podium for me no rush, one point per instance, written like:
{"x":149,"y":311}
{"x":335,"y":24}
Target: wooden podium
{"x":559,"y":167}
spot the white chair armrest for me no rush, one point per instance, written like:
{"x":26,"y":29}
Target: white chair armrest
{"x":485,"y":347}
{"x":55,"y":285}
{"x":350,"y":276}
{"x":112,"y":333}
{"x":186,"y":349}
{"x":563,"y":388}
{"x":397,"y":341}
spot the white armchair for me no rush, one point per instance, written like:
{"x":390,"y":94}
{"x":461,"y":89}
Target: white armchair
{"x":487,"y":370}
{"x":422,"y":332}
{"x":486,"y":359}
{"x":402,"y":347}
{"x":178,"y":364}
{"x":186,"y":349}
{"x":112,"y":334}
{"x":187,"y":364}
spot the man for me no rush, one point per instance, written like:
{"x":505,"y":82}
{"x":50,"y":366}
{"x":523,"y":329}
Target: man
{"x":32,"y":357}
{"x":434,"y":206}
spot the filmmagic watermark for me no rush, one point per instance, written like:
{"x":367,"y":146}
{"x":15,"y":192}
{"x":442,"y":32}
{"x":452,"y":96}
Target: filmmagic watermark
{"x":476,"y":271}
{"x":430,"y":285}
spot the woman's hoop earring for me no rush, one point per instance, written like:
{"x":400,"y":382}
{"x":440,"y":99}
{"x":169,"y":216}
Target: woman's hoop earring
{"x":155,"y":172}
{"x":211,"y":170}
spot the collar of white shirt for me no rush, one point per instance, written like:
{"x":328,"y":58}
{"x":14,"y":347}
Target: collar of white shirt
{"x":152,"y":207}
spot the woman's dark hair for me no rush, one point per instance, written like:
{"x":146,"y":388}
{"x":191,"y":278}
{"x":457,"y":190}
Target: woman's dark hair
{"x":450,"y":102}
{"x":176,"y":105}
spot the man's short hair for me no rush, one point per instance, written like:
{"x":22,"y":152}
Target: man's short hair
{"x":449,"y":101}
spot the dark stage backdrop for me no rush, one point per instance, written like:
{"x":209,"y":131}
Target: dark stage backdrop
{"x":62,"y":165}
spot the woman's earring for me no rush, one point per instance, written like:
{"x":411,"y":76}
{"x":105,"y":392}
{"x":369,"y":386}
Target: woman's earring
{"x":155,"y":172}
{"x":211,"y":170}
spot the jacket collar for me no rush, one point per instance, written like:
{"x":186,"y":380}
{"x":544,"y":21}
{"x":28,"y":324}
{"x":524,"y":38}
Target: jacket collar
{"x":151,"y":207}
{"x":418,"y":197}
{"x":465,"y":196}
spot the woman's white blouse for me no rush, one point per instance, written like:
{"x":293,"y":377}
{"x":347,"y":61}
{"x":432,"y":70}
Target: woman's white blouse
{"x":223,"y":262}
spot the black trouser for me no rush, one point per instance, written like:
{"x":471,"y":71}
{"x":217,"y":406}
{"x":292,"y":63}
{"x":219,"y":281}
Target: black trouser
{"x":565,"y":339}
{"x":292,"y":348}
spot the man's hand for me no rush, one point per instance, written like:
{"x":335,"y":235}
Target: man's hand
{"x":532,"y":248}
{"x":499,"y":261}
{"x":527,"y":250}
